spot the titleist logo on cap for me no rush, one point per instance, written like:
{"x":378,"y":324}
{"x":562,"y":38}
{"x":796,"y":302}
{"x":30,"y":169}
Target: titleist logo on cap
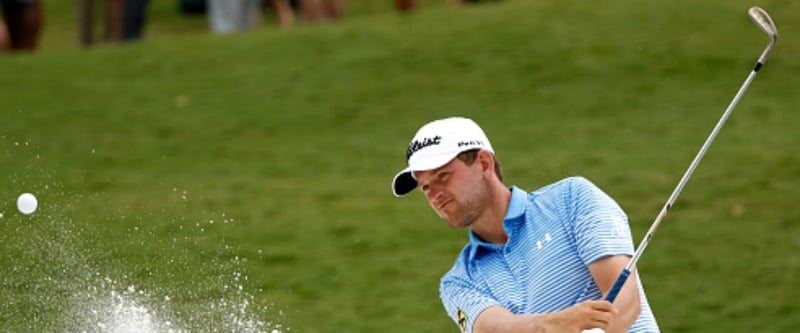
{"x":416,"y":145}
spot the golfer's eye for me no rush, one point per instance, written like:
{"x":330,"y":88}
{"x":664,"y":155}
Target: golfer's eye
{"x":442,"y":176}
{"x":425,"y":187}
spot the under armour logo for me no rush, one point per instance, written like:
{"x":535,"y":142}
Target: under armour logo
{"x":540,"y":243}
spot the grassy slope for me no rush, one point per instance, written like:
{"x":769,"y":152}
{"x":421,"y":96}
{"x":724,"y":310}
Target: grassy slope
{"x":290,"y":138}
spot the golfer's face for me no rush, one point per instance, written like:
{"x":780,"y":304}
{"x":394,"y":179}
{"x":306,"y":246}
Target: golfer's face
{"x":448,"y":189}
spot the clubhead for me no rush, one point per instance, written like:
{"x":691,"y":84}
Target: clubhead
{"x":764,"y":22}
{"x":761,"y":18}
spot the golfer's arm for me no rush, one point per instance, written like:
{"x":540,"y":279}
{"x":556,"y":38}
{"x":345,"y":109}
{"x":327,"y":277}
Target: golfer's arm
{"x":498,"y":319}
{"x":605,"y":272}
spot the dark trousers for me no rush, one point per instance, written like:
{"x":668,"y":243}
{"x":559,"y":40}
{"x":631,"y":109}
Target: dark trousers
{"x":23,"y":20}
{"x":133,"y":19}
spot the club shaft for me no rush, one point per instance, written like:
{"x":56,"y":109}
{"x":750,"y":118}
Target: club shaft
{"x":690,"y":170}
{"x":614,"y":291}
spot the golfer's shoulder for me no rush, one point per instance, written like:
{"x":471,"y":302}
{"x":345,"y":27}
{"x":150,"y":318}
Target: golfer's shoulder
{"x":567,"y":185}
{"x":459,"y":273}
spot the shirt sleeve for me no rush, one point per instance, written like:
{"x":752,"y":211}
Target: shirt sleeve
{"x":600,"y":226}
{"x":463,"y":301}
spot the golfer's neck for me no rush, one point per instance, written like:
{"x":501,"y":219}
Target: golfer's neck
{"x":490,"y":226}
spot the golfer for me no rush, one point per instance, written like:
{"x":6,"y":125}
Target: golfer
{"x":536,"y":261}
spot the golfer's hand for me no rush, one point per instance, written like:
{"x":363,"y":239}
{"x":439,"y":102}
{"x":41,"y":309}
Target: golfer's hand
{"x":582,"y":316}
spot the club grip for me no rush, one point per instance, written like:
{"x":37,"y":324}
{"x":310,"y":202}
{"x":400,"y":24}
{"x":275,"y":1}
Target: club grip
{"x":612,"y":294}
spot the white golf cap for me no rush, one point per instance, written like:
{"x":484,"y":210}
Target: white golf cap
{"x":436,"y":144}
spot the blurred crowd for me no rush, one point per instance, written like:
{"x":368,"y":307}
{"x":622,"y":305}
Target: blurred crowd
{"x":21,"y":24}
{"x":124,"y":20}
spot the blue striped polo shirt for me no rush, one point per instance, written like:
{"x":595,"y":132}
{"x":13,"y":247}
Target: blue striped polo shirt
{"x":554,"y":233}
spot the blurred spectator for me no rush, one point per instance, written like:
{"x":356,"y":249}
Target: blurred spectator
{"x":283,"y":11}
{"x":313,"y":11}
{"x":322,"y":10}
{"x":133,"y":19}
{"x":192,"y":6}
{"x":3,"y":36}
{"x":406,"y":5}
{"x":124,"y":20}
{"x":23,"y":22}
{"x":226,"y":16}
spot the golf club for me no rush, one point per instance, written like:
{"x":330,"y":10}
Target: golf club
{"x":763,"y":20}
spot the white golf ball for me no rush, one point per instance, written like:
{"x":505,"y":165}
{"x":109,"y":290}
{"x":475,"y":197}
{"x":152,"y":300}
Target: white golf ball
{"x":26,"y":203}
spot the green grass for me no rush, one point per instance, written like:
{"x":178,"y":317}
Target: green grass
{"x":176,"y":162}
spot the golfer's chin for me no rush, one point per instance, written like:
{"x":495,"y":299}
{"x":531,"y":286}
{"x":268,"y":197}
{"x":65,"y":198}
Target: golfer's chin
{"x":454,"y":222}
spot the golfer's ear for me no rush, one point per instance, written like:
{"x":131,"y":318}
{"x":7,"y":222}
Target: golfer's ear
{"x":486,"y":161}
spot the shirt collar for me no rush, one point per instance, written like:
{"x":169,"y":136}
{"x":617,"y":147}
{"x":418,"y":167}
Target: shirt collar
{"x":516,"y":208}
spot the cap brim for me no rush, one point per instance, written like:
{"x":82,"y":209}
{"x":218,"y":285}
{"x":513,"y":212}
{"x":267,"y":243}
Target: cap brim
{"x":403,"y":183}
